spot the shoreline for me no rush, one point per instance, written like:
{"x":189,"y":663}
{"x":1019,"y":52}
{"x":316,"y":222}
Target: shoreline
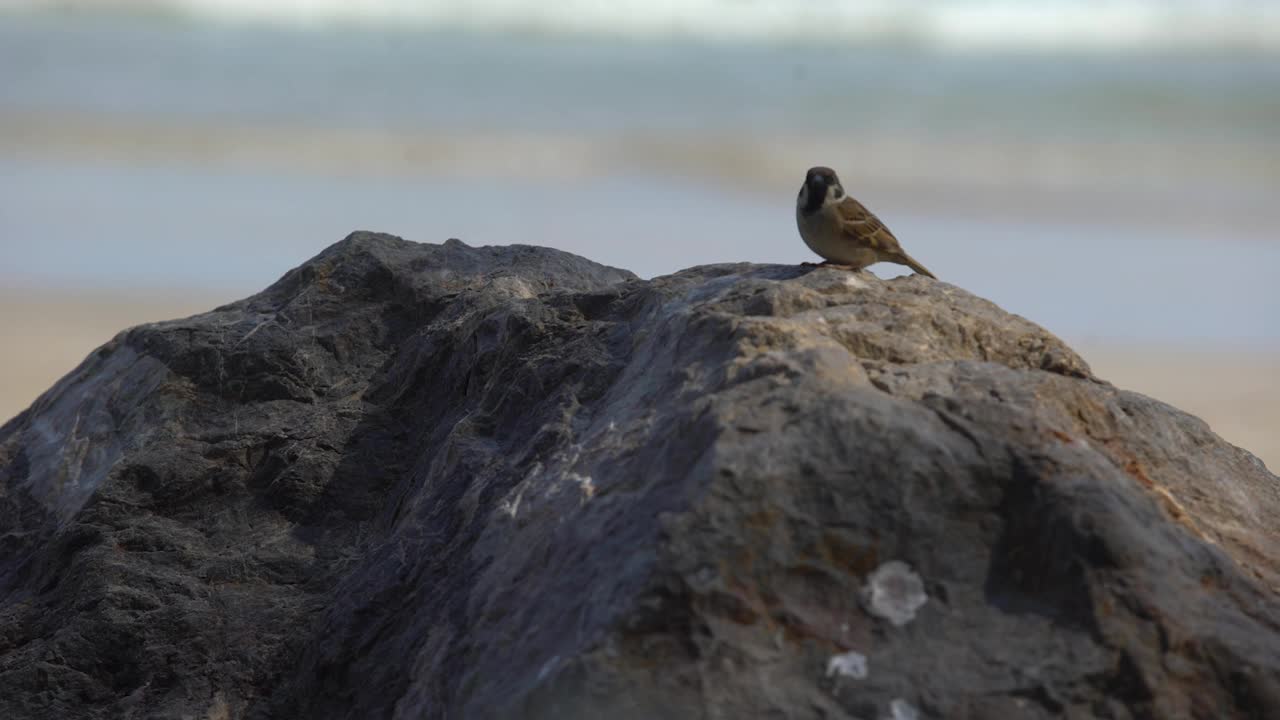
{"x":1133,"y":185}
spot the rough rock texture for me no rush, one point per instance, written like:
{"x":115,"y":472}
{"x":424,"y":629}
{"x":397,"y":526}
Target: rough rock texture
{"x":435,"y":481}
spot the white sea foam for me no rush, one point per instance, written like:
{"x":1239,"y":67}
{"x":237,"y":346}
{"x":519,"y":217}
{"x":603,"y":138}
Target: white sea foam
{"x":1047,"y":24}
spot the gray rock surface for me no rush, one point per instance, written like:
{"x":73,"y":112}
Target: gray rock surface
{"x":436,"y":481}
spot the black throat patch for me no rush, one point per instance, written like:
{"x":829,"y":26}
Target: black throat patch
{"x":817,"y":196}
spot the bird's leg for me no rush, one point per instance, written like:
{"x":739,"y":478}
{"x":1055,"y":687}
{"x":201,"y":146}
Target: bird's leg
{"x":829,"y":264}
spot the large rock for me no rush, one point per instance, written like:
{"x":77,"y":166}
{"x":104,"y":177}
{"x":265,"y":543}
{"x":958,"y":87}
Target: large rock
{"x":435,"y":481}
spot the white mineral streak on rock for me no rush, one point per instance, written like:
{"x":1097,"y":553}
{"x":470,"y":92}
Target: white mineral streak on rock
{"x":547,"y":667}
{"x":511,"y":504}
{"x":584,"y":483}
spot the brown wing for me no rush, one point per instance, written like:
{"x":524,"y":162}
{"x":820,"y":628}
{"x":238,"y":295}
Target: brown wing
{"x":863,"y":227}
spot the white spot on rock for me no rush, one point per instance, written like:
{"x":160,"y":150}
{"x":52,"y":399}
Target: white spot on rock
{"x":895,"y":592}
{"x":851,"y":664}
{"x":854,"y":281}
{"x":900,"y":709}
{"x":513,"y":286}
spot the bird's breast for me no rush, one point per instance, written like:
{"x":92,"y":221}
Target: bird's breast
{"x":821,"y":232}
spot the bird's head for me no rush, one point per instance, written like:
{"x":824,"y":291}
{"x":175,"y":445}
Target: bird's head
{"x":820,"y":186}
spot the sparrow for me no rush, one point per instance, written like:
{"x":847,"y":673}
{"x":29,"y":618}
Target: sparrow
{"x":841,"y":229}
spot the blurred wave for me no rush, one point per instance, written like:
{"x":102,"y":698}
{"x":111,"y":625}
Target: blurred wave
{"x":1140,"y":25}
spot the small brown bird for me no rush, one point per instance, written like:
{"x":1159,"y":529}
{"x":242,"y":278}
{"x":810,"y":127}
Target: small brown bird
{"x":841,"y":229}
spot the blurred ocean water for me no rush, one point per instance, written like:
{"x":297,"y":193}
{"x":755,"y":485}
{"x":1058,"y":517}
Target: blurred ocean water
{"x":395,"y":78}
{"x":1107,"y":169}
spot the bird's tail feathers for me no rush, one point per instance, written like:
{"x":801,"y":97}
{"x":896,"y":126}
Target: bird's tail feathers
{"x":910,"y":262}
